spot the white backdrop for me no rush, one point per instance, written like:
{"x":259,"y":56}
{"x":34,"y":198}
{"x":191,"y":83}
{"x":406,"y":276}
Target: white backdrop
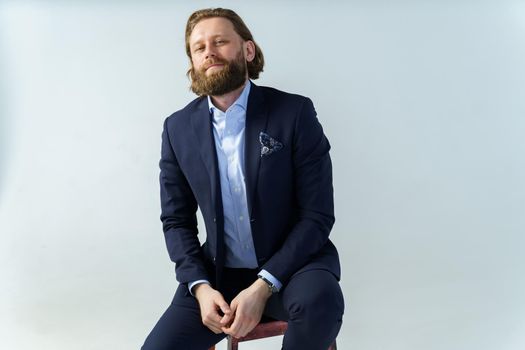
{"x":424,"y":105}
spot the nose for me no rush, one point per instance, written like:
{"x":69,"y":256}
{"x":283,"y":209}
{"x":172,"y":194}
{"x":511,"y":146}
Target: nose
{"x":209,"y":51}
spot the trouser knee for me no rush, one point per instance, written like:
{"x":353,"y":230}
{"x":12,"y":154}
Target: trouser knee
{"x":322,"y":303}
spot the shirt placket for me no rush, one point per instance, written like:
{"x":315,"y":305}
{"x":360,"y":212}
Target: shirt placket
{"x":233,"y":174}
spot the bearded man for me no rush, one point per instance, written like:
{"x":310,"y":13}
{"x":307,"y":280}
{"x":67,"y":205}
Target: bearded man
{"x":256,"y":162}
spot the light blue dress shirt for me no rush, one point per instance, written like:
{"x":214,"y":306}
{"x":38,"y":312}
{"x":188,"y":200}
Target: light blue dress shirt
{"x":228,"y":132}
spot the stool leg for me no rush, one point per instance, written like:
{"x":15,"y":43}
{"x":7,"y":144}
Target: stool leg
{"x":232,"y":343}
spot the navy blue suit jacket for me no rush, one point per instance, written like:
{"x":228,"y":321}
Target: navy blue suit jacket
{"x":289,"y":192}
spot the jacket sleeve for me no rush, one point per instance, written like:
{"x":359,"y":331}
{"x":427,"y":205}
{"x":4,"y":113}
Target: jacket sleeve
{"x":314,"y":197}
{"x":178,"y":216}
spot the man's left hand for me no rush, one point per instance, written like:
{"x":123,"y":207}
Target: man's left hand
{"x":248,"y":307}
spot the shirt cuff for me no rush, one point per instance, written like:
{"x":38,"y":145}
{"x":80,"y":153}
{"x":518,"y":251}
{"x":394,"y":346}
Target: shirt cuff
{"x":194,"y":283}
{"x":270,"y":278}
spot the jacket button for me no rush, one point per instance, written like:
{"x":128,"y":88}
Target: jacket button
{"x":214,"y":219}
{"x":213,"y":259}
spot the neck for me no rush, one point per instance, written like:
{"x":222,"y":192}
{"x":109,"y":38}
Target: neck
{"x":223,"y":102}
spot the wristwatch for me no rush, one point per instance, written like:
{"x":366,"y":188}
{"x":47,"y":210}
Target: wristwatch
{"x":271,"y":286}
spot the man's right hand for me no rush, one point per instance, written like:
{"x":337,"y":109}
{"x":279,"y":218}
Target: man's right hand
{"x":210,"y":302}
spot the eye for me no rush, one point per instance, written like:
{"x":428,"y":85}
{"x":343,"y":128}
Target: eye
{"x":198,"y":49}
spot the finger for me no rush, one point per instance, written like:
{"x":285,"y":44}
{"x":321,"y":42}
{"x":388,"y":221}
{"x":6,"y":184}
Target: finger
{"x":244,"y":329}
{"x":215,"y":329}
{"x":236,"y":325}
{"x":213,"y":319}
{"x":234,"y":305}
{"x":209,"y":322}
{"x":229,"y":329}
{"x":231,"y":315}
{"x":222,"y":304}
{"x":226,"y":319}
{"x":227,"y":324}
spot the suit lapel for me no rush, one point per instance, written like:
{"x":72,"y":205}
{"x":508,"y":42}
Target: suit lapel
{"x":256,"y":121}
{"x":202,"y":127}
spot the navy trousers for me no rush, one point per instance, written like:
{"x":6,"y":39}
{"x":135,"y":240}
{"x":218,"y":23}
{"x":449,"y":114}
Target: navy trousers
{"x":311,"y":302}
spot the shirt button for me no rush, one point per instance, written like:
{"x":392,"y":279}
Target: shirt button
{"x":241,"y":217}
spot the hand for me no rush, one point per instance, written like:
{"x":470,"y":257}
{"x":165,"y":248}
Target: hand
{"x":210,"y":302}
{"x":247,"y":308}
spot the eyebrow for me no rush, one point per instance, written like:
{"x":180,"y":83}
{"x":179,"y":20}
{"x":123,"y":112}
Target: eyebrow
{"x":199,"y":41}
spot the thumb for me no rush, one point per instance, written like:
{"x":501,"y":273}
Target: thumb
{"x":233,"y":306}
{"x":225,"y":308}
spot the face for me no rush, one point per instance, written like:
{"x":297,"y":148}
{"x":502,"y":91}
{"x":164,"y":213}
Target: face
{"x":218,"y":56}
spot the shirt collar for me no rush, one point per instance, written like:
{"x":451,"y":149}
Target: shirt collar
{"x":241,"y":101}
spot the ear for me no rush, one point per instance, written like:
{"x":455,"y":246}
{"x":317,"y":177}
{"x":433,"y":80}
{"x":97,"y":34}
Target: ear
{"x":249,"y":50}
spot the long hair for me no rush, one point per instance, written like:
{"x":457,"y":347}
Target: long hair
{"x":256,"y":65}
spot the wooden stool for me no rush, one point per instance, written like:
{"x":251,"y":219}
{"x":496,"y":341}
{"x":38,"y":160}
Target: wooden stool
{"x":263,"y":330}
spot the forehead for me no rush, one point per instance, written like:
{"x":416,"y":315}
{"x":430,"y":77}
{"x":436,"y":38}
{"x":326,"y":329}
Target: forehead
{"x":211,"y":27}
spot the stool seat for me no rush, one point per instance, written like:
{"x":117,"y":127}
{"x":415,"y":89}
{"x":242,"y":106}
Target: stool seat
{"x":263,"y":330}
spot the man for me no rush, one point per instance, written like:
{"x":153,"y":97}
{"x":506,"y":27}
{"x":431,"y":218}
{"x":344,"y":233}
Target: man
{"x":256,"y":162}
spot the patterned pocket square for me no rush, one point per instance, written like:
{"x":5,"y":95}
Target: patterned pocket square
{"x":269,"y":145}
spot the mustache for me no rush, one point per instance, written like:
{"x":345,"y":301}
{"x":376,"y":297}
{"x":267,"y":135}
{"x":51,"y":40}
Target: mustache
{"x":212,"y":61}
